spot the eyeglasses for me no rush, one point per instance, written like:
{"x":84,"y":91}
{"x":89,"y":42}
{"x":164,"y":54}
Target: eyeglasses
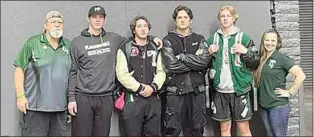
{"x":55,"y":22}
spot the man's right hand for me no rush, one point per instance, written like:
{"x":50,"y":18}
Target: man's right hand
{"x":72,"y":108}
{"x":22,"y":104}
{"x":148,"y":90}
{"x":212,"y":49}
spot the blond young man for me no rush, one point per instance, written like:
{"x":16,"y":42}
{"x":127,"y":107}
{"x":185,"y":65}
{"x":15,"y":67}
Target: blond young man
{"x":233,"y":59}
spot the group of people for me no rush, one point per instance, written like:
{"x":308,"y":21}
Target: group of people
{"x":162,"y":81}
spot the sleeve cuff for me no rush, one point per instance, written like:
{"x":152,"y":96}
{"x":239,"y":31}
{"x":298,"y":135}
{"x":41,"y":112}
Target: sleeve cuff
{"x":154,"y":86}
{"x":72,"y":99}
{"x":139,"y":88}
{"x":248,"y":53}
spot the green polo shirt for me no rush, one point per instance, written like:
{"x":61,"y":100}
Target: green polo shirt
{"x":46,"y":72}
{"x":273,"y":75}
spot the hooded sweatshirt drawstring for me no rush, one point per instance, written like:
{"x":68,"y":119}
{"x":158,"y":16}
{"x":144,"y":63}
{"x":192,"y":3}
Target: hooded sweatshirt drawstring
{"x":85,"y":33}
{"x":92,"y":39}
{"x":101,"y":40}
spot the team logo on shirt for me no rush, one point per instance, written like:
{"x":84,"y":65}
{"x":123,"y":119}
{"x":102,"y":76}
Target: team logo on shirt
{"x":65,"y":50}
{"x":134,"y":51}
{"x":152,"y":54}
{"x":272,"y":63}
{"x":194,"y":43}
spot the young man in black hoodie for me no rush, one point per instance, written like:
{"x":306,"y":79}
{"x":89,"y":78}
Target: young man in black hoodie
{"x":139,"y":69}
{"x":185,"y":58}
{"x":92,"y":76}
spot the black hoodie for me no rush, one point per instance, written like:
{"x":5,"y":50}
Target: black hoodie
{"x":93,"y":64}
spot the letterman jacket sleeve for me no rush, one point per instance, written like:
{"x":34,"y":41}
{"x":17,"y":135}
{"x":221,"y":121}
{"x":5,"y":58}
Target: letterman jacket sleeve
{"x":123,"y":74}
{"x":251,"y":58}
{"x":171,"y":63}
{"x":160,"y":76}
{"x":200,"y":60}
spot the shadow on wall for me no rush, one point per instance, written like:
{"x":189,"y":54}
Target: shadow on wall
{"x":171,"y":25}
{"x":214,"y":26}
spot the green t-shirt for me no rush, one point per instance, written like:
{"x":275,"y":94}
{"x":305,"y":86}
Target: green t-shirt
{"x":273,"y":75}
{"x":46,"y":72}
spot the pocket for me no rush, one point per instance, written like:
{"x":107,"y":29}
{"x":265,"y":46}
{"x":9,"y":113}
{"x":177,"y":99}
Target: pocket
{"x":169,"y":120}
{"x":25,"y":120}
{"x":130,"y":110}
{"x":199,"y":117}
{"x":202,"y":120}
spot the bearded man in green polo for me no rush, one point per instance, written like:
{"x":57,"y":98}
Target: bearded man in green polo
{"x":41,"y":79}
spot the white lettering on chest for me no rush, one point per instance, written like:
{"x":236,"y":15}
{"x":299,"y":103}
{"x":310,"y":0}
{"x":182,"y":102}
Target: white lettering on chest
{"x":98,"y":49}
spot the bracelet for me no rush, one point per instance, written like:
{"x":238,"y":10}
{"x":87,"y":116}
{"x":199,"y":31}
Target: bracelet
{"x":20,"y":96}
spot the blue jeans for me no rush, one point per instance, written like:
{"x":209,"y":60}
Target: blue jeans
{"x":276,"y":120}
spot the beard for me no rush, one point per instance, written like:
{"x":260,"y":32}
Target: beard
{"x":56,"y":33}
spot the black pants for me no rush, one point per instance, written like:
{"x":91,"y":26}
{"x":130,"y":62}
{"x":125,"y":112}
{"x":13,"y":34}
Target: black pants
{"x":93,"y":117}
{"x":177,"y":108}
{"x":142,"y":116}
{"x":35,"y":123}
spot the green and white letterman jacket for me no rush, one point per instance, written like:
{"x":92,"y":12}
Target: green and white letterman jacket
{"x":240,"y":65}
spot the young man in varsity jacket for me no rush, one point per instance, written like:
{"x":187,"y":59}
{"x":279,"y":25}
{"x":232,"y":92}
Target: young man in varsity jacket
{"x":235,"y":55}
{"x":139,"y":69}
{"x":186,"y":59}
{"x":92,"y":78}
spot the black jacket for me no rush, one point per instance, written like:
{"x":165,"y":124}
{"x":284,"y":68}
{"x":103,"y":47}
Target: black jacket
{"x":185,"y":61}
{"x":144,"y":66}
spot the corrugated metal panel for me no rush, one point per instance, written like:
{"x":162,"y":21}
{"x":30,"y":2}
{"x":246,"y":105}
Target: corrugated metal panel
{"x":306,"y":35}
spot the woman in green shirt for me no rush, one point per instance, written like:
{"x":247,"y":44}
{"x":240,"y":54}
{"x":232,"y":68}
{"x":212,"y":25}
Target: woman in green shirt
{"x":270,"y":79}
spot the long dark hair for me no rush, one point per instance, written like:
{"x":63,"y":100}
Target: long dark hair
{"x":262,"y":53}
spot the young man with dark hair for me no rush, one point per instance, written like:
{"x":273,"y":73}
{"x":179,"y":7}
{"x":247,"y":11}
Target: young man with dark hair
{"x":186,"y":59}
{"x":139,"y":69}
{"x":92,"y":80}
